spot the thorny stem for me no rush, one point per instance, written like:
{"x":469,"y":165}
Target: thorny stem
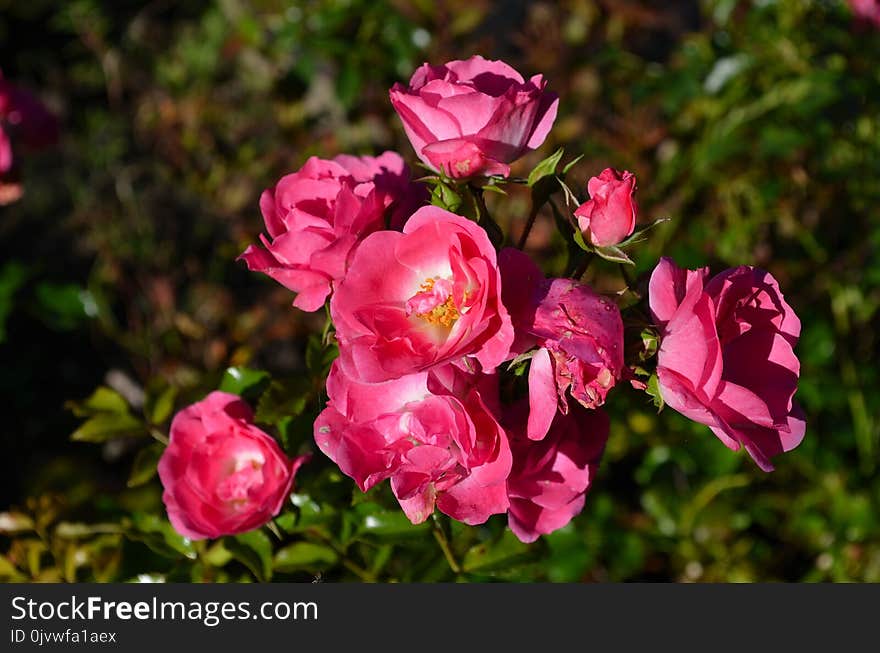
{"x":440,"y":536}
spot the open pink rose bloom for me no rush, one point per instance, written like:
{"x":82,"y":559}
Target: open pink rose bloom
{"x":317,"y":215}
{"x":416,"y":299}
{"x":222,"y":475}
{"x":474,"y":117}
{"x":726,"y":357}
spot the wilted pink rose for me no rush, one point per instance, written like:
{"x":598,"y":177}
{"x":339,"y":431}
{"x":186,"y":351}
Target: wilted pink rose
{"x":222,"y":475}
{"x":439,"y":445}
{"x":726,"y":356}
{"x":579,"y":335}
{"x":550,"y":478}
{"x":421,"y":298}
{"x":866,"y":11}
{"x":317,"y":216}
{"x":473,"y":117}
{"x":609,"y":216}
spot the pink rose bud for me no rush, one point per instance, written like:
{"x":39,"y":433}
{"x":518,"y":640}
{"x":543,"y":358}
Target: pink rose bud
{"x":579,"y":335}
{"x":609,"y":216}
{"x":473,"y":117}
{"x":222,"y":475}
{"x":550,"y":478}
{"x":430,"y":433}
{"x":421,"y":298}
{"x":317,"y":216}
{"x":726,"y":356}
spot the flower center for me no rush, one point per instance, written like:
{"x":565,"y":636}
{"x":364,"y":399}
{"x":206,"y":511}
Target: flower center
{"x":235,"y":488}
{"x":434,"y":303}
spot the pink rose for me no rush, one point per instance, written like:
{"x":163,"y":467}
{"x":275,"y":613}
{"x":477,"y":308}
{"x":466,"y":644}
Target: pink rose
{"x":421,"y":298}
{"x":391,"y":177}
{"x":222,"y":475}
{"x":437,"y":446}
{"x":473,"y":117}
{"x":26,"y":116}
{"x":25,"y":121}
{"x":866,"y":11}
{"x":609,"y":216}
{"x":579,"y":335}
{"x":550,"y":478}
{"x":317,"y":216}
{"x":726,"y":356}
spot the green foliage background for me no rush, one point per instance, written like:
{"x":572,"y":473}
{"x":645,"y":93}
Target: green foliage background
{"x":754,"y":125}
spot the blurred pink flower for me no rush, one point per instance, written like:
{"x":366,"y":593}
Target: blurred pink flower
{"x":24,"y":122}
{"x":222,"y":475}
{"x":473,"y":117}
{"x":866,"y":11}
{"x":726,"y":356}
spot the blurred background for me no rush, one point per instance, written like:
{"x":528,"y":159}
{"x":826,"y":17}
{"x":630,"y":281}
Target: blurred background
{"x":754,"y":125}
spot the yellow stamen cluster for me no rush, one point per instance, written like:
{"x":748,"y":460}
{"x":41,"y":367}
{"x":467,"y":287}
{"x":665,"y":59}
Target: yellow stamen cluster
{"x":444,"y":314}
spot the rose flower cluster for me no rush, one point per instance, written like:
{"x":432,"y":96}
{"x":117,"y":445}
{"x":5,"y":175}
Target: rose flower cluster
{"x":467,"y":377}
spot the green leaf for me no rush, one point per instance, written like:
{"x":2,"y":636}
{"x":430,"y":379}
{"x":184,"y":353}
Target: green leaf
{"x":254,"y":551}
{"x":499,"y":554}
{"x":445,"y":197}
{"x":106,"y":426}
{"x":545,"y":168}
{"x":159,"y":535}
{"x":615,"y":254}
{"x":283,"y":400}
{"x":159,"y":403}
{"x":8,"y":571}
{"x":571,"y":199}
{"x":78,"y":530}
{"x":12,"y":277}
{"x":144,"y":467}
{"x":64,"y":306}
{"x":244,"y":382}
{"x":578,"y":236}
{"x":638,"y":236}
{"x":102,"y":400}
{"x":384,"y":524}
{"x":649,"y":343}
{"x":15,"y":522}
{"x":653,"y":391}
{"x":304,"y":556}
{"x":568,"y":166}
